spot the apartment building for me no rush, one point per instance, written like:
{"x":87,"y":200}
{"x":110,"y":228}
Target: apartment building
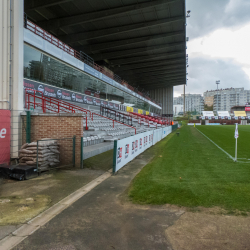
{"x":228,"y":98}
{"x":193,"y":102}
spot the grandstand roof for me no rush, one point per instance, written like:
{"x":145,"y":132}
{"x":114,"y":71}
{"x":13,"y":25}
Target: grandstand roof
{"x":142,"y":41}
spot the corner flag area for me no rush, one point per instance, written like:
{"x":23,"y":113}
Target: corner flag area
{"x":190,"y":170}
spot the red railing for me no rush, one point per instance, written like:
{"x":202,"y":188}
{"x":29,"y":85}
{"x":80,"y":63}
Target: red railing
{"x":53,"y":40}
{"x":55,"y":105}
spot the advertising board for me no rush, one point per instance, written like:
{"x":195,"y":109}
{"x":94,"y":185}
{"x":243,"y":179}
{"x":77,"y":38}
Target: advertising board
{"x":5,"y":136}
{"x":166,"y":131}
{"x":157,"y":135}
{"x":128,"y":148}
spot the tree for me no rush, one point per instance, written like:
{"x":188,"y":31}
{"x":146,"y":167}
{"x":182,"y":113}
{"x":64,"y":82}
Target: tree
{"x":208,"y":108}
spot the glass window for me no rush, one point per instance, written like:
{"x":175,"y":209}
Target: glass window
{"x":41,"y":67}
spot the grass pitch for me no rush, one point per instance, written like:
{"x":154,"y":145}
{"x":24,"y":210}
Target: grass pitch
{"x":223,"y":136}
{"x":191,"y":171}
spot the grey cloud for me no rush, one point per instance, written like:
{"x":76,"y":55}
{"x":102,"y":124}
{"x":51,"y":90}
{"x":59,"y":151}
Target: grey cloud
{"x":207,"y":16}
{"x":204,"y":71}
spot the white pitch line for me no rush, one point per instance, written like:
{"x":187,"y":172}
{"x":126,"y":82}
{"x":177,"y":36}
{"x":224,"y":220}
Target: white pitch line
{"x":218,"y":146}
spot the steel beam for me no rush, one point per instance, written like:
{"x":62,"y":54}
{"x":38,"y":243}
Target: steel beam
{"x":122,"y":53}
{"x":144,"y":66}
{"x":154,"y":79}
{"x":145,"y":58}
{"x":57,"y":23}
{"x":38,"y":4}
{"x":154,"y":69}
{"x":162,"y":74}
{"x":155,"y":73}
{"x":132,"y":41}
{"x":161,"y":82}
{"x":70,"y":38}
{"x":163,"y":85}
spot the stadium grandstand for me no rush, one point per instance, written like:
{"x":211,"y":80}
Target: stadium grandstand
{"x":116,"y":62}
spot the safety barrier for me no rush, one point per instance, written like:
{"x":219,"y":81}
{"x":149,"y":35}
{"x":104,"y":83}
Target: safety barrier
{"x":127,"y":149}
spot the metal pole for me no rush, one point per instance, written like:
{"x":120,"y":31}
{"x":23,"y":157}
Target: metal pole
{"x":74,"y":150}
{"x":236,"y":150}
{"x":81,"y":152}
{"x":114,"y":156}
{"x":217,"y":98}
{"x":184,"y":102}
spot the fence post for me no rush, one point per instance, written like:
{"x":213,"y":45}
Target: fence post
{"x":81,"y":152}
{"x":28,"y":127}
{"x":114,"y":156}
{"x":74,"y":150}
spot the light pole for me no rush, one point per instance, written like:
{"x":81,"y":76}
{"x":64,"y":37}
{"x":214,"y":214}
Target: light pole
{"x":217,"y":82}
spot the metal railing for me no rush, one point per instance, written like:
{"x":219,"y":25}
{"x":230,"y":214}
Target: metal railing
{"x":57,"y":106}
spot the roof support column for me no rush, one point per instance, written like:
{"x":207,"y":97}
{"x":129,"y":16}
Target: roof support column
{"x":11,"y":65}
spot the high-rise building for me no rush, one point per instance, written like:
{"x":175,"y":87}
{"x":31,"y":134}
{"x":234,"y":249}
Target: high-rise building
{"x":228,"y":98}
{"x":193,"y":102}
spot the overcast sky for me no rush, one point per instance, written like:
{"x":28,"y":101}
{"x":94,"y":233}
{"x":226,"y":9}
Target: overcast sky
{"x":219,"y":45}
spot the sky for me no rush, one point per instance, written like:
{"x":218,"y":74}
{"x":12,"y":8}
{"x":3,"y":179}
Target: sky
{"x":219,"y":45}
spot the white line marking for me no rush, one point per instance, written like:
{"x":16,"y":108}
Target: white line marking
{"x":218,"y":146}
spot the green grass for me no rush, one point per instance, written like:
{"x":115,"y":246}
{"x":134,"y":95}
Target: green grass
{"x":102,"y":161}
{"x":208,"y":177}
{"x":223,"y":136}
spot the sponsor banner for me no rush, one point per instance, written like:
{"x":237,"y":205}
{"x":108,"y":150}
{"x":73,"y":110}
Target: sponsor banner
{"x":135,"y":110}
{"x":192,"y":124}
{"x":110,"y":105}
{"x":5,"y":136}
{"x":207,"y":113}
{"x":211,"y":124}
{"x":129,"y":109}
{"x":129,"y":148}
{"x":166,"y":131}
{"x":65,"y":95}
{"x":157,"y":135}
{"x":247,"y":108}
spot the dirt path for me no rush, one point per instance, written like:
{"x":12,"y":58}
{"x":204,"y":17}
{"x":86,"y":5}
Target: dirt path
{"x":196,"y":231}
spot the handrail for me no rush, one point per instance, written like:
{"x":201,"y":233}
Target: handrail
{"x":54,"y":101}
{"x":70,"y":107}
{"x":116,"y":112}
{"x":115,"y":121}
{"x":79,"y":55}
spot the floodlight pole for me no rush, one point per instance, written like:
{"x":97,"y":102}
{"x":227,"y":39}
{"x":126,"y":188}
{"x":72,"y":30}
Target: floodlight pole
{"x":217,"y":82}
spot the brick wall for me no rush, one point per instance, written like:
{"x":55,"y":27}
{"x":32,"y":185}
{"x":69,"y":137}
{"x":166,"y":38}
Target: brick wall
{"x":57,"y":126}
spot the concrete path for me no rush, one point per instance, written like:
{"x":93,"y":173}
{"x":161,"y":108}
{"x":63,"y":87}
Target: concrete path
{"x":101,"y":219}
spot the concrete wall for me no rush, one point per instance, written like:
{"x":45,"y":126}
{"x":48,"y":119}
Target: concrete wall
{"x":165,"y":97}
{"x":57,"y":126}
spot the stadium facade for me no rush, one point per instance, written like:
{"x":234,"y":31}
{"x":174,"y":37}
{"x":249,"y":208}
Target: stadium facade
{"x":66,"y":49}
